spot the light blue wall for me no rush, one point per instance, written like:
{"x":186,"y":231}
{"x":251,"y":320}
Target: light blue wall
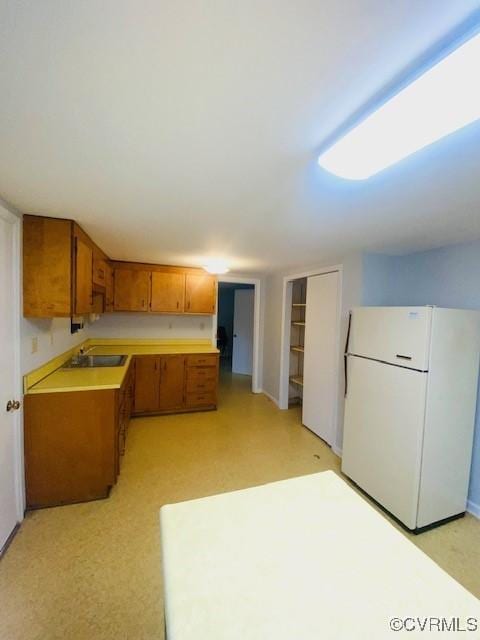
{"x":446,"y":277}
{"x":377,"y":278}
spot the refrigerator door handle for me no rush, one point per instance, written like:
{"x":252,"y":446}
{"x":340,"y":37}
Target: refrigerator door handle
{"x":345,"y":354}
{"x":399,"y":355}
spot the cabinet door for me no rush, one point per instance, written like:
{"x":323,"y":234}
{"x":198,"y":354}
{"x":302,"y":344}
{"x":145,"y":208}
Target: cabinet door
{"x":147,"y":383}
{"x":108,"y":288}
{"x":100,"y":272}
{"x":200,"y":293}
{"x":131,"y":289}
{"x":83,"y":277}
{"x":168,"y":292}
{"x":172,"y":377}
{"x":47,"y":267}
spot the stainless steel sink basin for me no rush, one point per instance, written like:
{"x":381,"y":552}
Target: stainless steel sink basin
{"x":83,"y":362}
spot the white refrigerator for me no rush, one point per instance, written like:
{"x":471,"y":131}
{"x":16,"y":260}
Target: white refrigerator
{"x":411,"y":388}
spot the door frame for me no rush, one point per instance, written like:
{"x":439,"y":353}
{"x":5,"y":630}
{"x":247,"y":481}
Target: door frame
{"x":285,"y":335}
{"x":256,"y":282}
{"x":7,"y":213}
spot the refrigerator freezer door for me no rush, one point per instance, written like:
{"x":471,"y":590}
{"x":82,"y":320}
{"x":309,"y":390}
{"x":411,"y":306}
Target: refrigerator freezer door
{"x":398,"y":335}
{"x":383,"y":432}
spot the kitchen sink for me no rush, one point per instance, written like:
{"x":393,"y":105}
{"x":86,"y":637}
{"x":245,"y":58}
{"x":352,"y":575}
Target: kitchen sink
{"x":84,"y":361}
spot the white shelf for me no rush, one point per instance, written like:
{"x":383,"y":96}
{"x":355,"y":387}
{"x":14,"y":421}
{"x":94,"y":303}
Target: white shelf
{"x":297,"y":347}
{"x":297,"y":380}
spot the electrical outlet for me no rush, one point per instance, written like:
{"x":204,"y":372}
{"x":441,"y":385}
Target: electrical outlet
{"x":34,"y":344}
{"x":202,"y":326}
{"x":170,"y":325}
{"x":51,"y":338}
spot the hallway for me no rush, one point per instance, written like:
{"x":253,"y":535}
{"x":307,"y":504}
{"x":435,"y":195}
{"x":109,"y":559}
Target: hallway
{"x":92,"y":571}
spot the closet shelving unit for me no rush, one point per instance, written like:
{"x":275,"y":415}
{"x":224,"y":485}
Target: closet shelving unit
{"x":297,"y":336}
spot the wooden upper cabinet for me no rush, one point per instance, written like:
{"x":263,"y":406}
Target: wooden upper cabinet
{"x":168,"y":292}
{"x":200,"y":293}
{"x":83,"y":277}
{"x":108,"y":288}
{"x":131,"y":289}
{"x":172,"y":383}
{"x":47,"y":267}
{"x":99,"y":271}
{"x":65,"y":273}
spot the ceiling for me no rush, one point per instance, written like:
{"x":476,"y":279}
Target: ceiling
{"x":173,"y":130}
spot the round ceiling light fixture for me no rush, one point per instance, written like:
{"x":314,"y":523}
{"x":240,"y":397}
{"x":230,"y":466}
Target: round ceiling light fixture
{"x":216,"y":266}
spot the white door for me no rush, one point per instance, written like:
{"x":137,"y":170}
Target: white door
{"x":383,"y":432}
{"x":320,"y":363}
{"x":400,"y":335}
{"x":242,"y":355}
{"x":8,"y":368}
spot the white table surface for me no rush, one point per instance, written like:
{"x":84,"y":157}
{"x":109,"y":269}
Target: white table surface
{"x":301,"y":559}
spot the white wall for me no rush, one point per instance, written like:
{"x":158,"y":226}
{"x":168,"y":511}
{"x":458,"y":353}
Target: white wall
{"x":53,"y":338}
{"x":138,"y":325}
{"x":272,"y":335}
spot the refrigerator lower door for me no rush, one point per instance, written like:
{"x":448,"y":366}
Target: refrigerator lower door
{"x":383,"y":432}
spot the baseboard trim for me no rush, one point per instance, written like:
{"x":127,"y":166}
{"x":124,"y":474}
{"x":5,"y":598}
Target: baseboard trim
{"x":270,"y":397}
{"x":473,"y":508}
{"x":8,"y":541}
{"x":336,"y":450}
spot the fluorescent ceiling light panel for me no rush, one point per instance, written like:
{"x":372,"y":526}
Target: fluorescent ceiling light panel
{"x":216,"y":266}
{"x":442,"y":100}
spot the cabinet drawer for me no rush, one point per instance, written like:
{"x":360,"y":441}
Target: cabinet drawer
{"x":201,"y":385}
{"x":202,"y":360}
{"x":201,"y":374}
{"x":197,"y":399}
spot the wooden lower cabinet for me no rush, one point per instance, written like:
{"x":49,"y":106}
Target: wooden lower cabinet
{"x":172,"y":383}
{"x":175,"y":383}
{"x":147,"y":384}
{"x":73,"y":443}
{"x":124,"y":411}
{"x":75,"y":440}
{"x":201,"y":381}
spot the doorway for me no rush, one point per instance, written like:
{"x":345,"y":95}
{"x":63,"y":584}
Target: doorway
{"x":11,"y":509}
{"x":235,"y":327}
